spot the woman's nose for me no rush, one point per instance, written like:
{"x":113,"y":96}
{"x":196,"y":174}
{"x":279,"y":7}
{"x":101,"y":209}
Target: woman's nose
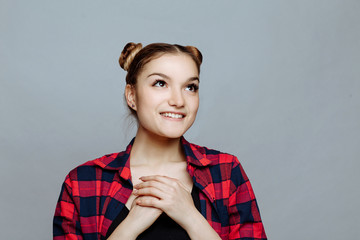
{"x":176,"y":98}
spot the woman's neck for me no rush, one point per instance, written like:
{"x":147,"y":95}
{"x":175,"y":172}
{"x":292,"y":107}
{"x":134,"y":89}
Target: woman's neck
{"x":153,"y":150}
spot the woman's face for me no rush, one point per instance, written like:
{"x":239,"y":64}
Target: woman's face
{"x":166,"y":95}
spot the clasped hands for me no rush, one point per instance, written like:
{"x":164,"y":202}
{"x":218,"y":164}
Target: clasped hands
{"x":155,"y":195}
{"x":167,"y":194}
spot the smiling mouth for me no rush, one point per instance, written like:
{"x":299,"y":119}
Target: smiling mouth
{"x":172,"y":115}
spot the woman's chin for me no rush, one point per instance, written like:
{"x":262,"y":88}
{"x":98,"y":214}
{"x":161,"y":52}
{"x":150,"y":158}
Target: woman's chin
{"x":171,"y":135}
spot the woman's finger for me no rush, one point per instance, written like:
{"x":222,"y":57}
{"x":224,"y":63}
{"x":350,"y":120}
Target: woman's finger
{"x":159,"y":178}
{"x":156,"y":184}
{"x":164,"y":179}
{"x":150,"y":191}
{"x":148,"y":202}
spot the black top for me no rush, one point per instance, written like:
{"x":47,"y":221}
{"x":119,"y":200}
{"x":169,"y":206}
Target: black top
{"x":164,"y":228}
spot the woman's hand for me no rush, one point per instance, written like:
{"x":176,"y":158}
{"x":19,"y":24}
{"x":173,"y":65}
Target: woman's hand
{"x":143,"y":216}
{"x":137,"y":221}
{"x":172,"y":197}
{"x":167,"y":194}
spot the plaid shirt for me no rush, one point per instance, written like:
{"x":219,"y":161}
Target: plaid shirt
{"x":94,"y":193}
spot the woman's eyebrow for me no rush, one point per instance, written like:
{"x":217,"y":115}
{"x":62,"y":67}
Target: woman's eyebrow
{"x":167,"y":77}
{"x":159,"y":74}
{"x":194,"y":79}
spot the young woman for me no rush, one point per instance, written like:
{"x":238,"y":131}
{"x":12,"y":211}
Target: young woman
{"x":161,"y":186}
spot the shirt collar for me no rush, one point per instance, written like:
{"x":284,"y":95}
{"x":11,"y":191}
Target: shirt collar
{"x":117,"y":162}
{"x":195,"y":154}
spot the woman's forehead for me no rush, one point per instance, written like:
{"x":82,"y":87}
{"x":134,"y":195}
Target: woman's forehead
{"x":170,"y":64}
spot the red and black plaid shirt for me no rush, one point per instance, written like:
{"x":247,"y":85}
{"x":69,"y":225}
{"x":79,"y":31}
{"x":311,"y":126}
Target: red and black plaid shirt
{"x":94,"y":193}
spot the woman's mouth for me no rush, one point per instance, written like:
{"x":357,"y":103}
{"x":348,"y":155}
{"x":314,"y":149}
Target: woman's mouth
{"x":172,"y":115}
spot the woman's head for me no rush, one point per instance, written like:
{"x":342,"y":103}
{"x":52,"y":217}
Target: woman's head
{"x":162,"y":83}
{"x":134,"y":57}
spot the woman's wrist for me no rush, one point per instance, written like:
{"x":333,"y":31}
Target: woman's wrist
{"x":125,"y":230}
{"x":198,"y":228}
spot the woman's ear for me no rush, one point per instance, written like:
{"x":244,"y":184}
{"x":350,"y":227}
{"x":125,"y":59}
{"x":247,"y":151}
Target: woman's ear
{"x":130,"y":95}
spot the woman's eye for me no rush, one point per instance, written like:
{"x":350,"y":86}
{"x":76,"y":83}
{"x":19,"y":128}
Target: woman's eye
{"x":159,"y":83}
{"x":192,"y":87}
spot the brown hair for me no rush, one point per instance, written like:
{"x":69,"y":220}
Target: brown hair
{"x":133,"y":58}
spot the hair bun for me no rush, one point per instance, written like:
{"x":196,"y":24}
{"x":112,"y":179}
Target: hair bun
{"x":196,"y":53}
{"x":128,"y":54}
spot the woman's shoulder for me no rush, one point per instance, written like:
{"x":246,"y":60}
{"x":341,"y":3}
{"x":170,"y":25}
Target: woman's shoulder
{"x":222,"y":166}
{"x":209,"y":155}
{"x":87,"y":170}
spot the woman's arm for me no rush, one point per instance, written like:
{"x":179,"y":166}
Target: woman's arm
{"x":137,"y":221}
{"x":198,"y":227}
{"x":66,"y":223}
{"x":244,"y":215}
{"x":169,"y":195}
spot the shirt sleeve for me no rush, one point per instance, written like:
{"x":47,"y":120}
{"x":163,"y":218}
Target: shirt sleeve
{"x":244,"y":215}
{"x":66,"y":224}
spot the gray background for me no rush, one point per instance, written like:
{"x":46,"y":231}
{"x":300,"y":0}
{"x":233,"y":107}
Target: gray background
{"x":279,"y":88}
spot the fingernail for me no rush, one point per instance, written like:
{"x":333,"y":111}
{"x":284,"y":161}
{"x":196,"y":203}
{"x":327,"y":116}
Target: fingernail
{"x":135,"y":191}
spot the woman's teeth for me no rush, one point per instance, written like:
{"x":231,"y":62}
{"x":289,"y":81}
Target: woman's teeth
{"x":172,"y":115}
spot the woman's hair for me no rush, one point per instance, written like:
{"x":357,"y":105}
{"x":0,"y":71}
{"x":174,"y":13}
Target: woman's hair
{"x":133,"y":58}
